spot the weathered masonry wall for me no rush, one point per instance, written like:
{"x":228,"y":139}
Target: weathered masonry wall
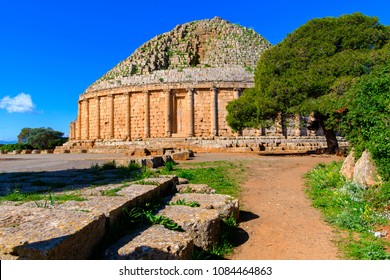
{"x":167,"y":111}
{"x":177,"y":110}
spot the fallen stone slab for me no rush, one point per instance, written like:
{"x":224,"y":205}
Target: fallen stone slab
{"x":226,"y":205}
{"x":180,"y":156}
{"x":194,"y":188}
{"x":153,"y":243}
{"x":41,"y":233}
{"x":203,"y":225}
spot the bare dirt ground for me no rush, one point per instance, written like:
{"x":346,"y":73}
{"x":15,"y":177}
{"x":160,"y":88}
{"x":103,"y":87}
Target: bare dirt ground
{"x":277,"y":220}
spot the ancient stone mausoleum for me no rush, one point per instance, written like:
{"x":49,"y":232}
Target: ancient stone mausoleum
{"x":175,"y":86}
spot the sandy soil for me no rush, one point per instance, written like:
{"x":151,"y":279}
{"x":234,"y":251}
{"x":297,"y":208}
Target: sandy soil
{"x":278,"y":221}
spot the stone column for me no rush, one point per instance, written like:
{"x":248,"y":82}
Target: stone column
{"x":97,"y":100}
{"x":71,"y":131}
{"x":237,"y":93}
{"x":79,"y":121}
{"x":128,"y":116}
{"x":168,"y":113}
{"x":297,"y":125}
{"x":111,"y":101}
{"x":86,"y":102}
{"x":191,"y":112}
{"x":147,"y":114}
{"x":214,"y":111}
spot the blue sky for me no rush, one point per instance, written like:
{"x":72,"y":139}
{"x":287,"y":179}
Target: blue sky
{"x":51,"y":51}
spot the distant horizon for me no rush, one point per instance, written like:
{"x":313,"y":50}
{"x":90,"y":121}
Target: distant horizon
{"x":53,"y":51}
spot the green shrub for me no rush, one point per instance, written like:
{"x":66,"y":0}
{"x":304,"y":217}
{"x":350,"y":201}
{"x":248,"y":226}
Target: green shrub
{"x":367,"y":122}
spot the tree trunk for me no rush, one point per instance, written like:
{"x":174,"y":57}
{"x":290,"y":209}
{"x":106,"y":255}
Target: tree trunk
{"x":330,"y":136}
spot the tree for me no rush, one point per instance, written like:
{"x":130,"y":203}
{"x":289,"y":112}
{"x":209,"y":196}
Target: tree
{"x":41,"y":138}
{"x":312,"y":68}
{"x":367,"y":119}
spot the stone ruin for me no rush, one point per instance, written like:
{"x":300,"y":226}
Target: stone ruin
{"x":173,"y":92}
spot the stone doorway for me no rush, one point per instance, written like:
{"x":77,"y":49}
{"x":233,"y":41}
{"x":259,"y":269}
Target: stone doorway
{"x":179,"y":117}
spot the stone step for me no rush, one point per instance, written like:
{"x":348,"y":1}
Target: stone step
{"x":203,"y":225}
{"x":41,"y":233}
{"x":152,"y":243}
{"x":38,"y":230}
{"x":194,"y":188}
{"x":226,"y":205}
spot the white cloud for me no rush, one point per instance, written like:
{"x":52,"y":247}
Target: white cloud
{"x":21,"y":103}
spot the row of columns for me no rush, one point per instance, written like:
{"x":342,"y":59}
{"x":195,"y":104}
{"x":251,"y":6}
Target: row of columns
{"x":84,"y":104}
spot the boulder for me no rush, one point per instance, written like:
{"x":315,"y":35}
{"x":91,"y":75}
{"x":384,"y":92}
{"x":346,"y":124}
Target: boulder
{"x":347,"y":169}
{"x":365,"y":172}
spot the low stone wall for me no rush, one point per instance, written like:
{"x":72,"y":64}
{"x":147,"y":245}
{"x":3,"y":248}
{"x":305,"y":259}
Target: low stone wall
{"x":158,"y":146}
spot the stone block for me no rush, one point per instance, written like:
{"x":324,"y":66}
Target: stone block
{"x":25,"y":152}
{"x":41,"y":233}
{"x":226,"y":205}
{"x":203,"y":225}
{"x":180,"y":156}
{"x":194,"y":188}
{"x":35,"y":152}
{"x":153,"y":243}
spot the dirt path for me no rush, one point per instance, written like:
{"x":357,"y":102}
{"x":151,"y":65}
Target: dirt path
{"x":278,"y":221}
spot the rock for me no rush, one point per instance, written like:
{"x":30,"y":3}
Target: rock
{"x":347,"y":169}
{"x":153,"y":243}
{"x":226,"y":205}
{"x":203,"y":225}
{"x":194,"y":188}
{"x":365,"y":172}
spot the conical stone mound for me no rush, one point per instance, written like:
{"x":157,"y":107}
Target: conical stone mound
{"x":198,"y":51}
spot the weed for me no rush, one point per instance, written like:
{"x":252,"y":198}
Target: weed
{"x":185,"y":203}
{"x":18,"y":196}
{"x":169,"y":166}
{"x":111,"y":192}
{"x":350,"y":207}
{"x":138,"y":214}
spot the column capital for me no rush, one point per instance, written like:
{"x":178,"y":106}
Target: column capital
{"x":190,"y":90}
{"x":145,"y":91}
{"x":96,"y":97}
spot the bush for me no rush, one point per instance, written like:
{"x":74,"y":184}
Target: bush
{"x":367,"y":122}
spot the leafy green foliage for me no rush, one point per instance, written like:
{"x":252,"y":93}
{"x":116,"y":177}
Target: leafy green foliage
{"x":41,"y":138}
{"x":367,"y":122}
{"x":311,"y":69}
{"x":350,"y":207}
{"x":12,"y":147}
